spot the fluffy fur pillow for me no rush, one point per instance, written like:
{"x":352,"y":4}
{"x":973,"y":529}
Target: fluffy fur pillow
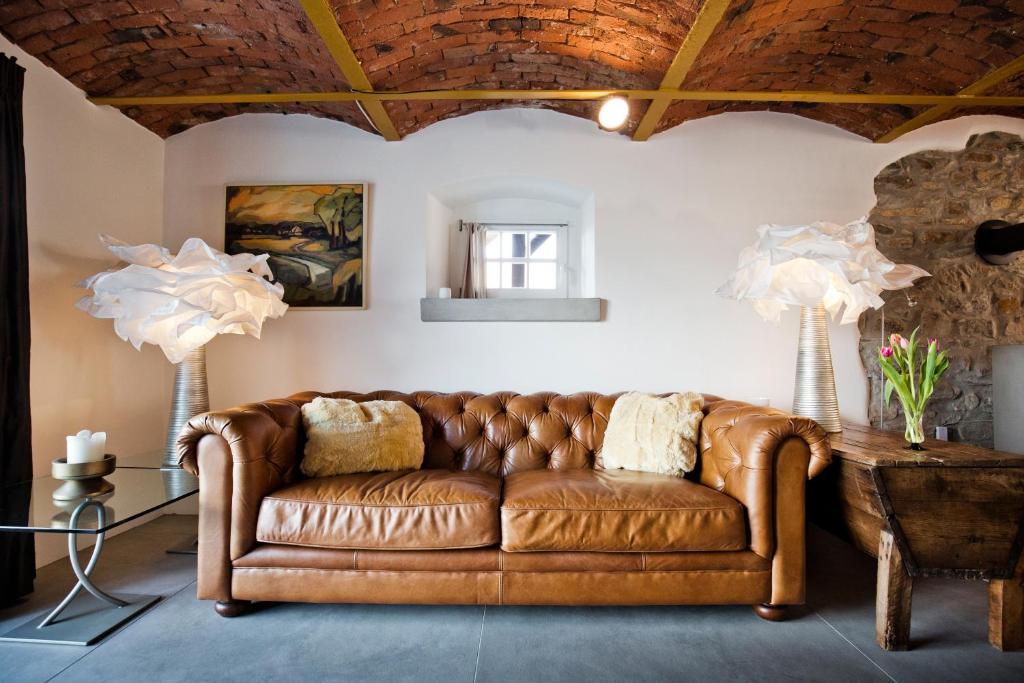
{"x":343,"y":437}
{"x":652,"y":434}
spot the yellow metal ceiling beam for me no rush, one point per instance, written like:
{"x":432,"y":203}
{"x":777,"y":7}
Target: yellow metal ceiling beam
{"x":984,"y":83}
{"x":951,"y":101}
{"x":320,"y":13}
{"x":710,"y":15}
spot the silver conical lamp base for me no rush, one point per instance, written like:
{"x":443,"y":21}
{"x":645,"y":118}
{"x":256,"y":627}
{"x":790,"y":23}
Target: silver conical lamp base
{"x":815,"y":395}
{"x":191,"y":398}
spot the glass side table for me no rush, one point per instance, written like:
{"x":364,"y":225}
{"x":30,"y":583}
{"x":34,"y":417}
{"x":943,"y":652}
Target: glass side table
{"x":174,"y":479}
{"x":28,"y":507}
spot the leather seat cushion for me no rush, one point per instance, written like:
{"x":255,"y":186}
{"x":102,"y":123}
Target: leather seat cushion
{"x":617,"y":511}
{"x":404,"y":510}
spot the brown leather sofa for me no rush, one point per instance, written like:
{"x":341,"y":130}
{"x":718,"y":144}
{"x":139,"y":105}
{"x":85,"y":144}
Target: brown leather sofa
{"x":512,"y":506}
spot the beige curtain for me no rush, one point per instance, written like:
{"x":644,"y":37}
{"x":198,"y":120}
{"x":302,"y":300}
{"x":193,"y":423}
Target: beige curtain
{"x":474,"y":284}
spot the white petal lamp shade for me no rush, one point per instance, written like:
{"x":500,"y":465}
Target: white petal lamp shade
{"x":820,"y":267}
{"x":821,"y":263}
{"x":181,"y":302}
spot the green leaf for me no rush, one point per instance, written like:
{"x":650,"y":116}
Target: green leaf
{"x":888,"y":392}
{"x":912,"y":365}
{"x":898,"y":355}
{"x":899,"y":384}
{"x":913,"y":337}
{"x":928,"y":376}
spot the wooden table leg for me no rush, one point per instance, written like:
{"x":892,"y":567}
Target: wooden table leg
{"x":893,"y":593}
{"x":1006,"y":611}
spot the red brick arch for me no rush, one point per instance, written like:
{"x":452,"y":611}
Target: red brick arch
{"x":933,"y":47}
{"x":530,"y":44}
{"x":174,"y":47}
{"x":166,"y":47}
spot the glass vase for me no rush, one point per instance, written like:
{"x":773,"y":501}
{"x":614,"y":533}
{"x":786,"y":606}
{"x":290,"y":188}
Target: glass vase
{"x":915,"y":431}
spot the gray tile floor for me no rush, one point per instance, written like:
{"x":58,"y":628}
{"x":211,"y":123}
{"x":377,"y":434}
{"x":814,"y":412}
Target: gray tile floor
{"x":181,"y":639}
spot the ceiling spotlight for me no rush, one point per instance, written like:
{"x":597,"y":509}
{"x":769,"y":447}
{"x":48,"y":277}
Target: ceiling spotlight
{"x":613,"y":113}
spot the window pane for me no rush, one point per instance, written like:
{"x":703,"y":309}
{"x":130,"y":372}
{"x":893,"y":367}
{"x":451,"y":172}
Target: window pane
{"x":543,"y":276}
{"x":513,"y":275}
{"x":493,"y":274}
{"x":513,"y":245}
{"x":492,"y":245}
{"x":543,"y":245}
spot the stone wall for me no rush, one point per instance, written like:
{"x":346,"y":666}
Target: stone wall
{"x":929,"y":205}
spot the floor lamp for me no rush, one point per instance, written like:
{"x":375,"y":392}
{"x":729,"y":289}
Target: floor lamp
{"x":823,"y":268}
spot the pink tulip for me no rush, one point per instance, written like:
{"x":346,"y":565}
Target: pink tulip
{"x":933,"y":340}
{"x":894,"y":339}
{"x":886,"y":352}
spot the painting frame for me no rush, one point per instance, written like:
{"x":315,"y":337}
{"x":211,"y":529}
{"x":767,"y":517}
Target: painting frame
{"x":365,"y":190}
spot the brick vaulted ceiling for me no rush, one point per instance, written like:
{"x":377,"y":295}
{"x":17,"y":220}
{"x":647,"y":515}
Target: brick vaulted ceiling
{"x":188,"y":47}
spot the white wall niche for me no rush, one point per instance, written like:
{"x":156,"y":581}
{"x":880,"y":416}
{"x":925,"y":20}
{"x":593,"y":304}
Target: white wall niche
{"x":512,"y":200}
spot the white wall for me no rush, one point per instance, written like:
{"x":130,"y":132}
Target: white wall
{"x":89,"y":170}
{"x":671,"y":216}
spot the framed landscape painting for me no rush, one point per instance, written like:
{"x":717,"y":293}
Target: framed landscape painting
{"x":315,"y":236}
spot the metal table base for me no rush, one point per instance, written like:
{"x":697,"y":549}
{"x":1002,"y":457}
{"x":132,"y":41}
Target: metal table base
{"x":189,"y":547}
{"x":87,"y":619}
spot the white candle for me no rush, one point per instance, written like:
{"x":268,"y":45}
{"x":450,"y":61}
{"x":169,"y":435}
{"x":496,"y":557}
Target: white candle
{"x":86,"y":446}
{"x":444,"y":293}
{"x":79,"y":448}
{"x":97,"y":446}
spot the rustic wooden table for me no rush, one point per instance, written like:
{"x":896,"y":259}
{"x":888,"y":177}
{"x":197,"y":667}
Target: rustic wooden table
{"x":951,"y":510}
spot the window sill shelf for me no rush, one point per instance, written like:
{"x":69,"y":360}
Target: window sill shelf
{"x":510,"y":310}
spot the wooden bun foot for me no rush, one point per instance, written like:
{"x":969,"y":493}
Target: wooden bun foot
{"x":232,"y":608}
{"x":771,"y":612}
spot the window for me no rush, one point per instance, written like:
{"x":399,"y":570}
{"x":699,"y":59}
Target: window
{"x":525,"y":260}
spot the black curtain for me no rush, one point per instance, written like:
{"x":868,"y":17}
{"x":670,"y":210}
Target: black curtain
{"x":17,"y":553}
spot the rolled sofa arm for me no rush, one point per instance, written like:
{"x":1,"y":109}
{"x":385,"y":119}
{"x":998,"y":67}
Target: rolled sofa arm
{"x":763,"y":457}
{"x":240,"y":455}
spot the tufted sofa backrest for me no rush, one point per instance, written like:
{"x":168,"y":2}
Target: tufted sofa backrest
{"x":504,"y":432}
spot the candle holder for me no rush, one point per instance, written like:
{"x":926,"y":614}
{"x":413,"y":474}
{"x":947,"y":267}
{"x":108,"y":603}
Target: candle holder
{"x":83,"y":479}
